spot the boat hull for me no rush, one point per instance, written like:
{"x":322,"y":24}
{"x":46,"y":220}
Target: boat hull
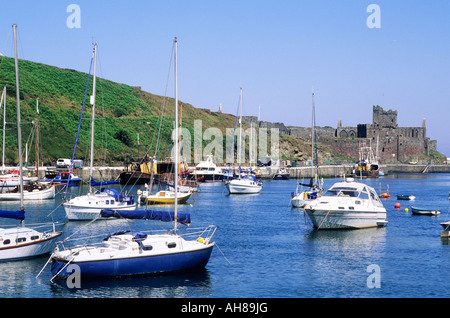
{"x":29,"y":250}
{"x":209,"y":177}
{"x":298,"y":202}
{"x":134,"y":178}
{"x":418,"y":211}
{"x":165,"y":197}
{"x":344,"y":219}
{"x":281,"y":176}
{"x":303,"y":198}
{"x":405,"y":197}
{"x":242,"y":189}
{"x":139,"y":265}
{"x":45,"y":194}
{"x":85,"y":213}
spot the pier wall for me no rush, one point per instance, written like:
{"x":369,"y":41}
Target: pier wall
{"x":334,"y":171}
{"x":326,"y":171}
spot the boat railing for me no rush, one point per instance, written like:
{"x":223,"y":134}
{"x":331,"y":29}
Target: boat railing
{"x":35,"y":226}
{"x":205,"y":233}
{"x":192,"y":233}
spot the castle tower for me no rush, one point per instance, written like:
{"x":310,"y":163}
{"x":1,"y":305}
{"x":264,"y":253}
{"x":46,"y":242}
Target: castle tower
{"x":384,"y":118}
{"x":424,"y":128}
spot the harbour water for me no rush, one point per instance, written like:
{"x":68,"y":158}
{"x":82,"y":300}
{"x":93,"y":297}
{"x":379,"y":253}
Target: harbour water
{"x":266,"y":249}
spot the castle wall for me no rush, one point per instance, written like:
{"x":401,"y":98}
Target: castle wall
{"x":391,"y":142}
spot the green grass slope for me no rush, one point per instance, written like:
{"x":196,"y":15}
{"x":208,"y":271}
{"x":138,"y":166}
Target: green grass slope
{"x":124,"y":114}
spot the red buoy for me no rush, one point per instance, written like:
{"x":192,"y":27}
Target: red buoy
{"x":397,"y":205}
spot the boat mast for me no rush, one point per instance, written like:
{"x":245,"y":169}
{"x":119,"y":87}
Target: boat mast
{"x":4,"y":128}
{"x":37,"y":138}
{"x":176,"y":137}
{"x":19,"y":128}
{"x":240,"y":133}
{"x":91,"y":165}
{"x":313,"y":130}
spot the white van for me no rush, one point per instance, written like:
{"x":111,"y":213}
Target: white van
{"x":62,"y":163}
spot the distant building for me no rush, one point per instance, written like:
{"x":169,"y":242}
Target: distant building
{"x":387,"y":140}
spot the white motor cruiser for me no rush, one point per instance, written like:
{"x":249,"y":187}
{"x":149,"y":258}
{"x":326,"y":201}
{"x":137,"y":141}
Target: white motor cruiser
{"x":347,"y":205}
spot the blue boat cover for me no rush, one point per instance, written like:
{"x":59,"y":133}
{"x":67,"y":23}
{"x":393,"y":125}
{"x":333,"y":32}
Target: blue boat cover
{"x":96,"y":183}
{"x":165,"y":216}
{"x":112,"y":192}
{"x":18,"y":215}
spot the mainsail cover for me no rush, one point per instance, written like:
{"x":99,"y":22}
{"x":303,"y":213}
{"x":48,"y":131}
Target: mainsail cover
{"x":18,"y":215}
{"x":99,"y":183}
{"x":165,"y":216}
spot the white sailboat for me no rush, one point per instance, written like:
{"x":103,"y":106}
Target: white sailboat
{"x":138,"y":253}
{"x":301,"y":199}
{"x":88,"y":207}
{"x":23,"y":242}
{"x":10,"y":180}
{"x":243,"y":184}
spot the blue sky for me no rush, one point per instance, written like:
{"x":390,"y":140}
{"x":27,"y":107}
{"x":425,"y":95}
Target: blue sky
{"x":277,"y":51}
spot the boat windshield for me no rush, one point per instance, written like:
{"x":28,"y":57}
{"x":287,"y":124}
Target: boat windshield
{"x":342,"y":192}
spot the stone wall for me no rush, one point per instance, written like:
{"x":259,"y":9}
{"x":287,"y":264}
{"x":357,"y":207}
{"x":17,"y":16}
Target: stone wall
{"x":391,"y":142}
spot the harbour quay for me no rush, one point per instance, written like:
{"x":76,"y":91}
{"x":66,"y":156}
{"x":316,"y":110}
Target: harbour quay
{"x":303,"y":172}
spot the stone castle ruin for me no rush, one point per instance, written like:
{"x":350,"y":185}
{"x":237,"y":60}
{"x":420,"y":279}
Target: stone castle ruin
{"x":390,"y":142}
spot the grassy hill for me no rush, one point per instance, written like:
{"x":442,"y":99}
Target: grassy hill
{"x":122,"y":112}
{"x":124,"y":115}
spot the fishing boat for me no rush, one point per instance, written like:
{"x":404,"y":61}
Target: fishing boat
{"x":367,"y":166}
{"x":89,"y":206}
{"x":137,"y":253}
{"x":420,"y":211}
{"x":347,"y":205}
{"x":281,"y":174}
{"x":300,"y":199}
{"x":138,"y":172}
{"x":23,"y":242}
{"x":65,"y":177}
{"x":244,"y":183}
{"x":405,"y":197}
